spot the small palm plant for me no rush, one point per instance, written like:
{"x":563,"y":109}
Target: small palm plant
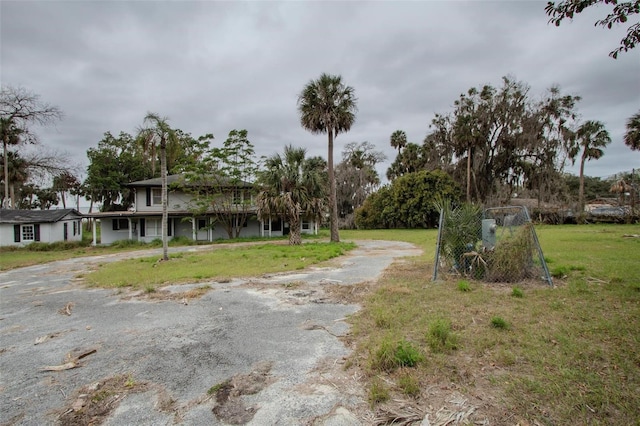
{"x":461,"y":230}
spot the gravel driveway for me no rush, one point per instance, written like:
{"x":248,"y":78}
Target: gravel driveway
{"x":264,"y":351}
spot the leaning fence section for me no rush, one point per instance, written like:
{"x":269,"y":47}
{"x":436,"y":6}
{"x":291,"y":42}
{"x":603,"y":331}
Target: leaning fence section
{"x":497,"y":244}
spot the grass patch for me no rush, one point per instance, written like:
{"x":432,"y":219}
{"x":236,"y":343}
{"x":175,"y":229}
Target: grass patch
{"x":573,"y":357}
{"x":38,"y":253}
{"x":215,"y":388}
{"x":378,"y":392}
{"x":440,"y":337}
{"x":464,"y":286}
{"x":409,"y":384}
{"x":392,"y":355}
{"x":241,"y":261}
{"x":517,"y":292}
{"x":499,"y":323}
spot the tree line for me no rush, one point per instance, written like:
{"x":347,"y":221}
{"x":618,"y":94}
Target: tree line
{"x":495,"y":142}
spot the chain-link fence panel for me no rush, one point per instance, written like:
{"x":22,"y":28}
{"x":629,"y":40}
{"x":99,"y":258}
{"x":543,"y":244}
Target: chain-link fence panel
{"x":495,"y":245}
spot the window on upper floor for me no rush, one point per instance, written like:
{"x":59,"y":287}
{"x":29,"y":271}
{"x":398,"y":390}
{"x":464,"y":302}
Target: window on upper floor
{"x":237,"y":197}
{"x":156,"y":196}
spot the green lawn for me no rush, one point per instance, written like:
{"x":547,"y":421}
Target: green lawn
{"x":563,"y":355}
{"x":215,"y":265}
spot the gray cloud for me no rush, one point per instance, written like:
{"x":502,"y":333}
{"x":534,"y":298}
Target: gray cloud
{"x":215,"y":66}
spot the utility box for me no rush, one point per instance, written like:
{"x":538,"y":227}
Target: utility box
{"x":489,"y":233}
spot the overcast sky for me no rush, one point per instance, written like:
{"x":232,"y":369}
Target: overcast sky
{"x":211,"y":66}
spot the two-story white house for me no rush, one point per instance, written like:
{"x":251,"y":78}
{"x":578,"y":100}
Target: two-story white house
{"x":143,"y":222}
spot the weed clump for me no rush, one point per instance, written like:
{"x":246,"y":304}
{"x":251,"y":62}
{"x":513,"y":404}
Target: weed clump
{"x":440,"y":337}
{"x":378,"y":392}
{"x":499,"y":323}
{"x":464,"y":286}
{"x":517,"y":292}
{"x":409,"y":385}
{"x":391,"y":356}
{"x":511,"y":260}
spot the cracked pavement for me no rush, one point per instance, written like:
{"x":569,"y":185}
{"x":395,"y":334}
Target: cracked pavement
{"x":180,"y":350}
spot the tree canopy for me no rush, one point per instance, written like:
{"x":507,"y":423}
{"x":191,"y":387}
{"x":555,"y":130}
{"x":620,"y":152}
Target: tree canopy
{"x":19,"y":110}
{"x":632,"y":134}
{"x":408,"y":201}
{"x":620,"y":14}
{"x":499,"y":139}
{"x":356,"y":178}
{"x":222,"y":182}
{"x":293,"y":187}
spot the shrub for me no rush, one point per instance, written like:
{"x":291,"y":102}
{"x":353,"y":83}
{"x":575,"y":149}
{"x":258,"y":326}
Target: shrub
{"x":57,"y":246}
{"x":181,"y":241}
{"x":127,"y":244}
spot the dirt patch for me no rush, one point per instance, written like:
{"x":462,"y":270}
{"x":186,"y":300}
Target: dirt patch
{"x":230,"y":408}
{"x":93,"y":403}
{"x":183,"y":297}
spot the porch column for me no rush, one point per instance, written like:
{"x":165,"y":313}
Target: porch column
{"x":130,"y":230}
{"x":193,"y":229}
{"x":95,"y":233}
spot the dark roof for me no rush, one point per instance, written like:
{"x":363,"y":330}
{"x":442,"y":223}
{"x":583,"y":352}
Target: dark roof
{"x":35,"y":216}
{"x":180,"y":179}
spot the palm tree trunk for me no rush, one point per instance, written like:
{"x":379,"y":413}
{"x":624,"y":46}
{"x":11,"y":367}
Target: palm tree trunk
{"x":469,"y":175}
{"x":581,"y":190}
{"x":294,"y":230}
{"x":6,"y":173}
{"x":165,"y":215}
{"x":333,"y":199}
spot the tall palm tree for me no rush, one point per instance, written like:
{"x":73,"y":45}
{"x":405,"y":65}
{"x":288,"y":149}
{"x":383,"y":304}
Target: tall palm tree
{"x":398,"y":140}
{"x":592,"y":138}
{"x":294,"y":187}
{"x":632,"y":136}
{"x":157,"y":132}
{"x":326,"y":105}
{"x":10,"y":134}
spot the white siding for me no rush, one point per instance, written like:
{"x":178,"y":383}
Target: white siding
{"x":49,"y":233}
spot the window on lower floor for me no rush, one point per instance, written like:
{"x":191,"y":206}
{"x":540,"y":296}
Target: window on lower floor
{"x":28,"y":233}
{"x":276,"y":225}
{"x":202,"y":224}
{"x":240,"y":221}
{"x":120,"y":224}
{"x":153,"y":227}
{"x":306,"y":225}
